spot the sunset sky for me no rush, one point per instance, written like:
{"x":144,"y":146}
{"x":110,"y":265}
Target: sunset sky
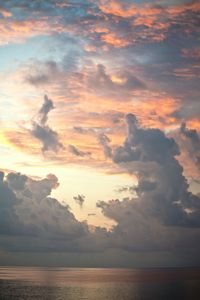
{"x":99,"y":132}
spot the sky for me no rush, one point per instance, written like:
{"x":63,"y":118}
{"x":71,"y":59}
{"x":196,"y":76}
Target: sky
{"x":100,"y":133}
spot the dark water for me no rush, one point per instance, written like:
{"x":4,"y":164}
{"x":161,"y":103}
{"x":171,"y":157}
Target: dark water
{"x":99,"y":284}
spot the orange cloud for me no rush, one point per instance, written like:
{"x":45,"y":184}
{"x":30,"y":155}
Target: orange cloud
{"x":157,"y":20}
{"x":100,"y":29}
{"x":180,"y":9}
{"x":123,"y":10}
{"x":116,"y":8}
{"x":127,"y":10}
{"x":18,"y":31}
{"x":5,"y":13}
{"x":193,"y":53}
{"x":114,"y":40}
{"x":188,"y":73}
{"x":19,"y":140}
{"x":194,"y":124}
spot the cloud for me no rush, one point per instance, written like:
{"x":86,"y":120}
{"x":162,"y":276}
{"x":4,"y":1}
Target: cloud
{"x":16,"y":181}
{"x":189,"y":143}
{"x":191,"y":137}
{"x":80,"y":199}
{"x":74,"y":150}
{"x":146,"y":22}
{"x":105,"y":83}
{"x":47,"y":106}
{"x":169,"y":200}
{"x":27,"y":210}
{"x":9,"y":221}
{"x":106,"y":59}
{"x":115,"y":40}
{"x":32,"y":221}
{"x":43,"y":132}
{"x":52,"y":71}
{"x":191,"y":53}
{"x":43,"y":73}
{"x":187,"y":112}
{"x":104,"y":142}
{"x":161,"y":213}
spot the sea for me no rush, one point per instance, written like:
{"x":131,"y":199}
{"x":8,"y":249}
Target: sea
{"x":24,"y":283}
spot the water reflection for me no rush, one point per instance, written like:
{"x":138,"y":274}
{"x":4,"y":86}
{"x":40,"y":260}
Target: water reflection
{"x":98,"y":284}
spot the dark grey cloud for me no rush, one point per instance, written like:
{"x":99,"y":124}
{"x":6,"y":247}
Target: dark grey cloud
{"x":9,"y":221}
{"x":101,"y":82}
{"x":47,"y":106}
{"x":80,"y":129}
{"x":41,"y":73}
{"x":41,"y":131}
{"x":32,"y":221}
{"x":27,"y":210}
{"x":104,"y":142}
{"x":187,"y":111}
{"x":127,"y":188}
{"x":74,"y":150}
{"x":191,"y":142}
{"x":16,"y":181}
{"x":164,"y":185}
{"x":79,"y":199}
{"x":161,"y":213}
{"x":138,"y":230}
{"x":47,"y":136}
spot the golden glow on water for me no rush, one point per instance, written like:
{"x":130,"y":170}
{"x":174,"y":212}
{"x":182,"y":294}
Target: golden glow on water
{"x":73,"y":276}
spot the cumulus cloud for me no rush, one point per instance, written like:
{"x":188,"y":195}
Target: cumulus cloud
{"x":40,"y":130}
{"x":28,"y":210}
{"x":164,"y":185}
{"x":31,"y":220}
{"x":159,"y":214}
{"x":162,"y":213}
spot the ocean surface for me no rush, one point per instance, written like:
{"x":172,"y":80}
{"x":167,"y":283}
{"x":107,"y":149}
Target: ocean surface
{"x":24,"y":283}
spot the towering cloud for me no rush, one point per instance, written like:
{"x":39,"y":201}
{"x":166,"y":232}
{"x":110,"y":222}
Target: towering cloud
{"x":163,"y":213}
{"x":162,"y":187}
{"x":42,"y":131}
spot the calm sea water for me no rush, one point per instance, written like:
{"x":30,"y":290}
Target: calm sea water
{"x":21,"y":283}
